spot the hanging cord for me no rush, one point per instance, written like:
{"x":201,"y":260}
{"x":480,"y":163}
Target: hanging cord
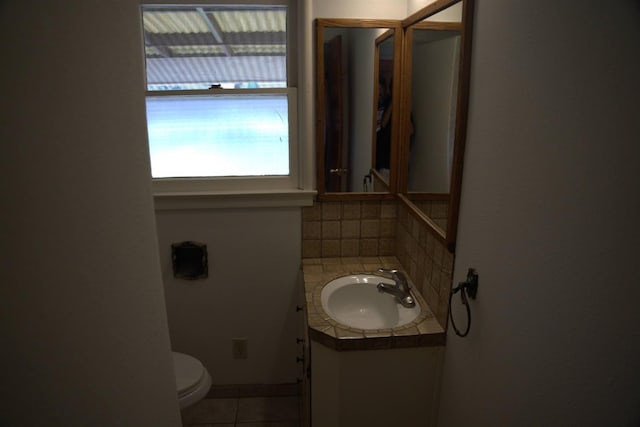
{"x":366,"y":181}
{"x":469,"y":286}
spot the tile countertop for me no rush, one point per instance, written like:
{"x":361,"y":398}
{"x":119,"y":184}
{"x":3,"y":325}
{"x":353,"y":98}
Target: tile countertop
{"x":424,"y":331}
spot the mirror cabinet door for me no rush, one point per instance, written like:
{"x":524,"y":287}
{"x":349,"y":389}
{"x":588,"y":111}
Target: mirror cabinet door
{"x":434,"y":83}
{"x":349,"y":59}
{"x":391,"y":110}
{"x":435,"y":96}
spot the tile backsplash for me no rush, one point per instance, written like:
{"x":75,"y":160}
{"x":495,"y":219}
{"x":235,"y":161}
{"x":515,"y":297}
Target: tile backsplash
{"x":381,"y":228}
{"x":427,"y":260}
{"x":436,"y":210}
{"x":348,"y":229}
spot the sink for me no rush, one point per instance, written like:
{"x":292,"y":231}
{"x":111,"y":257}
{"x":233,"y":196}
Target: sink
{"x":354,"y":301}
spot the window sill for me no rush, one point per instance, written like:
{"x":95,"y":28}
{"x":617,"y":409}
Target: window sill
{"x":219,"y":200}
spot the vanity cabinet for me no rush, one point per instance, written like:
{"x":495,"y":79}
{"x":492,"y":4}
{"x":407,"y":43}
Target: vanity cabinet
{"x":304,"y":357}
{"x":366,"y":377}
{"x":387,"y":387}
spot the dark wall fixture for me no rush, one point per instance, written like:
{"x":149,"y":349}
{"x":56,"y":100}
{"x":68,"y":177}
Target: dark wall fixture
{"x":189,"y":260}
{"x":468,"y":287}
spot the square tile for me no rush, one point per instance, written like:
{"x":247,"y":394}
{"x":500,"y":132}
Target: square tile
{"x":403,"y":217}
{"x":370,"y":210}
{"x":330,"y":229}
{"x":425,"y":207}
{"x":312,"y":213}
{"x":330,"y":248}
{"x":414,"y":228}
{"x":351,"y":210}
{"x":333,"y":268}
{"x":387,"y":247}
{"x":438,"y":253}
{"x":350,"y":229}
{"x":413,"y":247}
{"x":331,"y":210}
{"x":350,"y":247}
{"x":369,"y":247}
{"x":412,"y":269}
{"x":422,"y":237}
{"x":268,"y":409}
{"x":312,"y":269}
{"x":211,"y":411}
{"x":311,"y":248}
{"x":439,"y":210}
{"x":430,"y":295}
{"x":430,"y":245}
{"x":387,"y":228}
{"x":370,"y":228}
{"x":388,"y":210}
{"x":428,"y":269}
{"x":444,"y":283}
{"x":311,"y":229}
{"x":447,"y":261}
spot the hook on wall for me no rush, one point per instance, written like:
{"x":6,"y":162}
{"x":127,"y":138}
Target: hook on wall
{"x":468,"y":287}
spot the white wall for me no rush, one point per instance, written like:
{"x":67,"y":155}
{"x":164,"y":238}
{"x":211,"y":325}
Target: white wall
{"x":251,"y":292}
{"x":549,"y":217}
{"x":415,"y":5}
{"x":82,"y":318}
{"x":450,"y":14}
{"x":366,"y":9}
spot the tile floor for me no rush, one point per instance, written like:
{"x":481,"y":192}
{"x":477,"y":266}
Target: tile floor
{"x":280,"y":411}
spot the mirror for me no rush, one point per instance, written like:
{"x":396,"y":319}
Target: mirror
{"x":435,"y":98}
{"x":434,"y":83}
{"x":351,"y":55}
{"x":383,"y":108}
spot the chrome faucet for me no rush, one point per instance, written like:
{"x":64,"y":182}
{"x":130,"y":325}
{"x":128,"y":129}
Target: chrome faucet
{"x":400,"y":289}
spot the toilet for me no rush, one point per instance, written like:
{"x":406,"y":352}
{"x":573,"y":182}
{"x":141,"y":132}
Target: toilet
{"x":192,"y":379}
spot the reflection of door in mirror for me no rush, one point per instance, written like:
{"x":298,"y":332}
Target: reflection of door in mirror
{"x":346,"y":103}
{"x":335,"y":166}
{"x":348,"y":65}
{"x":348,"y":84}
{"x":434,"y":83}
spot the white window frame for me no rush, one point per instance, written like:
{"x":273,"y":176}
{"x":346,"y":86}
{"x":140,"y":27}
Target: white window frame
{"x":244,"y":191}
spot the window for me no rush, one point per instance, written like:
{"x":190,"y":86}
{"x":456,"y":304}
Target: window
{"x":221,"y":114}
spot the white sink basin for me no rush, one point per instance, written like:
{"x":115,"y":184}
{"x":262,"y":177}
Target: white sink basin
{"x":355,"y":301}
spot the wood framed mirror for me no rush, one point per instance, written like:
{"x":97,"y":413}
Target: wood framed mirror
{"x":348,"y":53}
{"x":435,"y":93}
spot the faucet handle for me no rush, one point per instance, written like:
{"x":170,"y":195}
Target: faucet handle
{"x":397,"y":275}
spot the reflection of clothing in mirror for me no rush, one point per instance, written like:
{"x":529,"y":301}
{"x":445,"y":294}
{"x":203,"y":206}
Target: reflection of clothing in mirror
{"x":383,"y":134}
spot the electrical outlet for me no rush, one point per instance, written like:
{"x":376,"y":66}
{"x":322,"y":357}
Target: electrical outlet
{"x":239,"y":348}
